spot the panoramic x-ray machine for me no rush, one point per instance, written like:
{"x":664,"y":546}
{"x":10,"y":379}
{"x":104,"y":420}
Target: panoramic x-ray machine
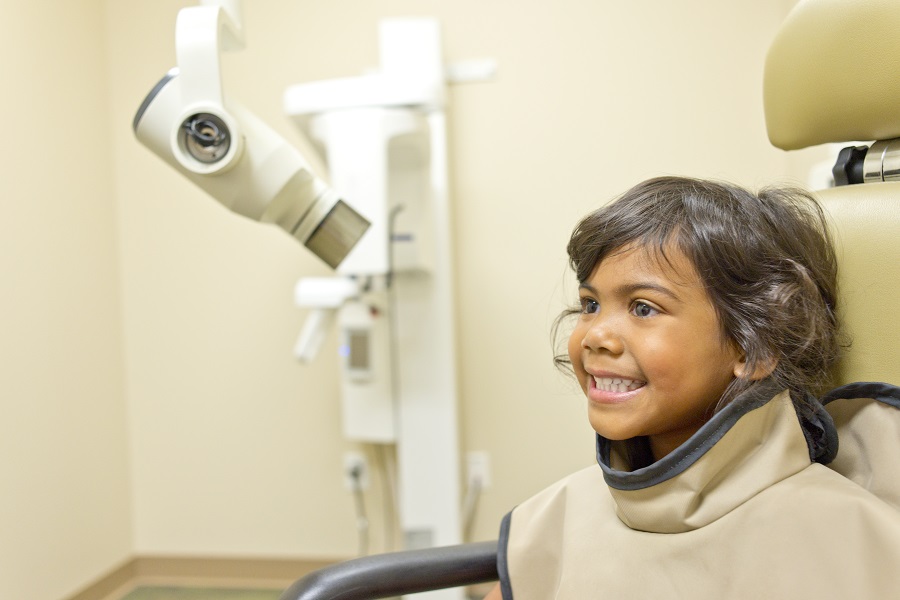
{"x":384,"y":141}
{"x":384,"y":138}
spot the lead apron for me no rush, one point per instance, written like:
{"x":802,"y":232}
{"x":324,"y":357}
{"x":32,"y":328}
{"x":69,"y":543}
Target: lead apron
{"x":738,"y":511}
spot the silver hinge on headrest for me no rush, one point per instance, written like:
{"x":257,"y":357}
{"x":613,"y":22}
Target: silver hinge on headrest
{"x":862,"y":164}
{"x":882,"y":162}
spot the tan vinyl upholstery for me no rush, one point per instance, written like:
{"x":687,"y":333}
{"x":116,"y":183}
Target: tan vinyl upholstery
{"x":866,"y":221}
{"x":833,"y":75}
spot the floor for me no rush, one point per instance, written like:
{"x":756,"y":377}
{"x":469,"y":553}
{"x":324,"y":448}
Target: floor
{"x":197,"y":593}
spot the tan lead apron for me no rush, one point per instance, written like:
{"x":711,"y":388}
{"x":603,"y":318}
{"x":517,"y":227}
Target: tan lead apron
{"x":746,"y":516}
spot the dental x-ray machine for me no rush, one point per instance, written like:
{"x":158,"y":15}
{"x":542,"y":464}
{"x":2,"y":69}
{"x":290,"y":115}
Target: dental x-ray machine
{"x":231,"y":154}
{"x":384,"y":137}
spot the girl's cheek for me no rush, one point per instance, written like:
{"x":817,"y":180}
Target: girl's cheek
{"x":574,"y":345}
{"x":575,"y":349}
{"x":575,"y":357}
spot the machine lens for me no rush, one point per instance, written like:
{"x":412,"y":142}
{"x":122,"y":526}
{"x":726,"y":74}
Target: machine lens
{"x":205,"y":137}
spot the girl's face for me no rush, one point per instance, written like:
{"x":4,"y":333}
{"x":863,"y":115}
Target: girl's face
{"x":648,"y":350}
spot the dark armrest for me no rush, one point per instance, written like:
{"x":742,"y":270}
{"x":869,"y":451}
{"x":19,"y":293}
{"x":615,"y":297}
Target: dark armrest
{"x":398,"y":573}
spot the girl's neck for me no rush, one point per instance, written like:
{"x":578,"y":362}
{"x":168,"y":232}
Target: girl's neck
{"x":639,"y":453}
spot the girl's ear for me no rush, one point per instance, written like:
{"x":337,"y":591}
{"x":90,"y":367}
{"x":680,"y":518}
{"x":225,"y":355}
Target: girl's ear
{"x":762,"y":370}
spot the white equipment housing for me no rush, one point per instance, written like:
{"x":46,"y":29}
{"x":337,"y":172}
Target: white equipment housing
{"x":384,"y":138}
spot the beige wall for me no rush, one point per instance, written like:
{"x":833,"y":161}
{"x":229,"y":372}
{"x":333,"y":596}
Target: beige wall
{"x":235,"y":449}
{"x":65,"y":504}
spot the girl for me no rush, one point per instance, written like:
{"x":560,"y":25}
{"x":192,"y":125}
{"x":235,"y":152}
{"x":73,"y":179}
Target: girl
{"x":706,"y":319}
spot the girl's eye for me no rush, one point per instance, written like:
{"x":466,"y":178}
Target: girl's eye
{"x":642,"y":309}
{"x":589,"y":306}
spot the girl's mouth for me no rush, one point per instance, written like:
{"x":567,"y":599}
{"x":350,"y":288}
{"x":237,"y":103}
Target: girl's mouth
{"x":617,"y":384}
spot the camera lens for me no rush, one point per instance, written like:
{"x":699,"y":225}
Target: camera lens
{"x":205,"y":137}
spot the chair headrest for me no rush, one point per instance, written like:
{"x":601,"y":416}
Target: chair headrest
{"x":833,"y":74}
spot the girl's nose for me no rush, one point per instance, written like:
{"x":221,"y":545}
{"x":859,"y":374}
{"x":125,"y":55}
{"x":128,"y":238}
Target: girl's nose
{"x":603,"y":335}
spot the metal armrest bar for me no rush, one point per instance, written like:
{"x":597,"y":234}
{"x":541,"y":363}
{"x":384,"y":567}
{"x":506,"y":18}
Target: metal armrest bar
{"x":398,"y":573}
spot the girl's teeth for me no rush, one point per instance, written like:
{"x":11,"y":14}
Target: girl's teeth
{"x":609,"y":384}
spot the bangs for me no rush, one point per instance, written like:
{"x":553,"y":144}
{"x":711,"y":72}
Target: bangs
{"x":623,"y":226}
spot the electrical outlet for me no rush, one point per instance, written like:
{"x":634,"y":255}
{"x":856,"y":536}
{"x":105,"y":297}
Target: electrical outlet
{"x":478,"y":468}
{"x":356,"y":471}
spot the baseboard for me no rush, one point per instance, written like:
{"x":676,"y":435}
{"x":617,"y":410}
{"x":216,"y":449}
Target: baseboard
{"x":174,"y":570}
{"x":110,"y":586}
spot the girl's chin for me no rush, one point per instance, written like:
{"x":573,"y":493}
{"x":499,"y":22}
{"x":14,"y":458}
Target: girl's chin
{"x":609,"y":426}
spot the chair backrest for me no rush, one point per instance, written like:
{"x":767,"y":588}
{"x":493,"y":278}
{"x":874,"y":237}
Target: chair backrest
{"x":833,"y":75}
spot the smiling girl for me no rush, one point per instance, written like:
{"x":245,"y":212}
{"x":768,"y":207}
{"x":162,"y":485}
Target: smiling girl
{"x":706,"y":320}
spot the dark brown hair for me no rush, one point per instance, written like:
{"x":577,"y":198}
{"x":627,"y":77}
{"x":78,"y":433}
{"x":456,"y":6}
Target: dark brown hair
{"x":766,"y":260}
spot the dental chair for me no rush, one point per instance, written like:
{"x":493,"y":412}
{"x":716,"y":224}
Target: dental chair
{"x":832,"y":76}
{"x":398,"y":573}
